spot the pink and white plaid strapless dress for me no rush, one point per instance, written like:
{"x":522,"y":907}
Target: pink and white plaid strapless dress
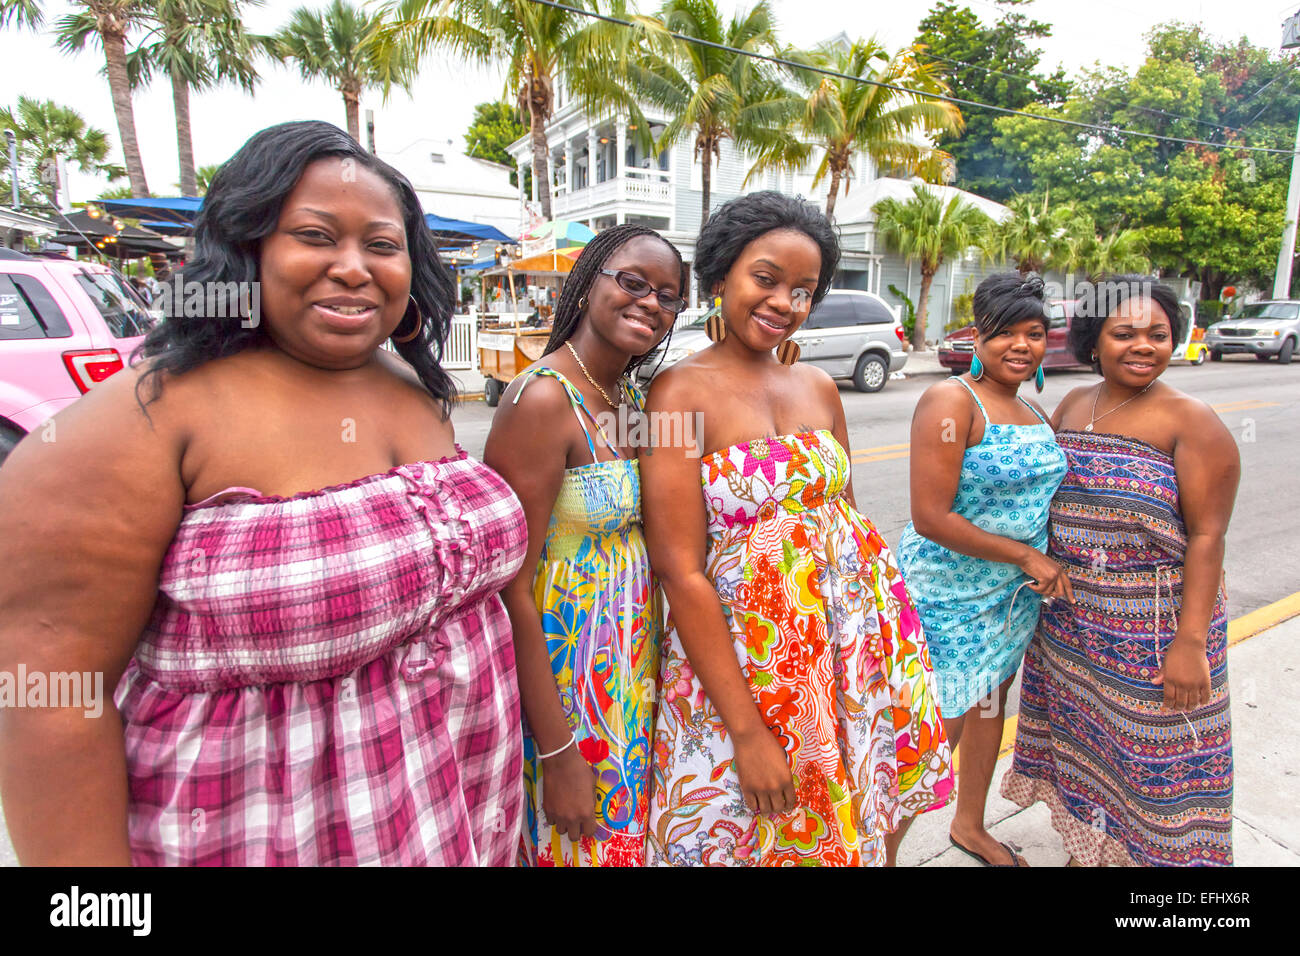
{"x":329,"y":678}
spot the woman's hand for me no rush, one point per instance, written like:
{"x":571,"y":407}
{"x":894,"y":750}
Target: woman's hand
{"x":1046,"y":577}
{"x":765,"y":779}
{"x":569,"y":794}
{"x":1185,"y":675}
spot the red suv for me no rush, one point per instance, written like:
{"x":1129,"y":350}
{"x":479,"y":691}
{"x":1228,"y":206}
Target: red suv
{"x":64,"y":326}
{"x":957,"y":348}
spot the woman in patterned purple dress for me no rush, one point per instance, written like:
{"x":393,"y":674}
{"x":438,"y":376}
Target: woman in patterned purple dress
{"x":265,"y":537}
{"x":1124,"y":728}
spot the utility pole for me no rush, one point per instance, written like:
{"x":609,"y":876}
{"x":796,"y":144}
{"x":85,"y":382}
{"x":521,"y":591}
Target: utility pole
{"x":13,"y":165}
{"x":1285,"y":255}
{"x":370,"y":129}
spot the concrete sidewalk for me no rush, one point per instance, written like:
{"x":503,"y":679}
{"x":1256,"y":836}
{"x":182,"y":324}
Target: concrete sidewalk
{"x":1262,"y":672}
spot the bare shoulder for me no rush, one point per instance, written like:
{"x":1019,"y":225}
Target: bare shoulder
{"x":945,"y":398}
{"x":532,"y":397}
{"x":681,"y":387}
{"x":1074,"y":396}
{"x":1193,"y":420}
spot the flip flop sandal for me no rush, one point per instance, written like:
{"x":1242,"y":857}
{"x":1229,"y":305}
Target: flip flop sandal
{"x":1016,"y":859}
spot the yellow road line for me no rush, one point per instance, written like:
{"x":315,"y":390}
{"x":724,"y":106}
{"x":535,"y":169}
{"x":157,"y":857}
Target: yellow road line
{"x":886,"y":457}
{"x":1246,"y":626}
{"x":1243,"y":406}
{"x":878,"y":448}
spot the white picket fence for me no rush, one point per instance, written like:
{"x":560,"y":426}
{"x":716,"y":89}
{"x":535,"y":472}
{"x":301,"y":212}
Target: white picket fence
{"x":462,"y":343}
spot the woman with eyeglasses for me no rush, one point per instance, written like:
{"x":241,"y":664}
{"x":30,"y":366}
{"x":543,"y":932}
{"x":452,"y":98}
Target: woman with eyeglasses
{"x":585,"y":609}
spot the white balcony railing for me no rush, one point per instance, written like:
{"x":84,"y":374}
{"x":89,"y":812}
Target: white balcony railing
{"x":635,"y":186}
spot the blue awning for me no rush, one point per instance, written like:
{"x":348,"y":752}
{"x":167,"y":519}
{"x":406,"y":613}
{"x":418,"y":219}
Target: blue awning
{"x":180,"y":210}
{"x":464,"y":230}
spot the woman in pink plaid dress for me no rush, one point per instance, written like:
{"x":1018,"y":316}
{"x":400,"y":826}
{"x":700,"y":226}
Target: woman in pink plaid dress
{"x":265,"y":537}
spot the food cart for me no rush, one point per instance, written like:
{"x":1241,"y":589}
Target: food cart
{"x":506,"y":349}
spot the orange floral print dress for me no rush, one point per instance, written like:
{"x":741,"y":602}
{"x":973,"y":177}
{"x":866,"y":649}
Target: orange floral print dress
{"x":836,"y":660}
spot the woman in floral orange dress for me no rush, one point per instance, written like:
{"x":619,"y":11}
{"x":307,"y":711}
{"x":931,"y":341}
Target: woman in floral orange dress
{"x":797,"y":722}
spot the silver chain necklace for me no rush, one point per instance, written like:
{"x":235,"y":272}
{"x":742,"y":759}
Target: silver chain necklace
{"x":1095,"y":417}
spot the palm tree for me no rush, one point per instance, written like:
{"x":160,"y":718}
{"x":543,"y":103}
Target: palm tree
{"x":108,"y":22}
{"x":929,"y":230}
{"x":338,"y":46}
{"x":1119,"y":251}
{"x":718,"y":94}
{"x":537,"y":43}
{"x":198,"y":44}
{"x":46,"y":131}
{"x":1035,"y":236}
{"x":844,"y":116}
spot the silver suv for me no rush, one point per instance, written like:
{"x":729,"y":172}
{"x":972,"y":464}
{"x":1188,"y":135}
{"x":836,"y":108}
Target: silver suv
{"x":1262,"y":328}
{"x":850,"y":334}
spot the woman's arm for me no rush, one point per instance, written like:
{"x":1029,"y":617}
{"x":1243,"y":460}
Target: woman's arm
{"x":940,"y":430}
{"x":676,"y":528}
{"x":1208,"y":468}
{"x":839,"y":428}
{"x":527,"y":449}
{"x":85,"y":519}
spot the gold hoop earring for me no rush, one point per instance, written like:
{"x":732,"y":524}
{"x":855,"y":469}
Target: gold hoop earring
{"x":788,"y":352}
{"x":582,"y":304}
{"x":419,"y":323}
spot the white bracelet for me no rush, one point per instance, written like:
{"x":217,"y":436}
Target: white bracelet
{"x":573,"y":739}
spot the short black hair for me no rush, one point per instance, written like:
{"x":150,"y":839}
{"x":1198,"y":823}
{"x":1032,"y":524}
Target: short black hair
{"x":739,"y":222}
{"x":584,"y":272}
{"x":241,"y":209}
{"x":1005,"y":298}
{"x":1099,"y":300}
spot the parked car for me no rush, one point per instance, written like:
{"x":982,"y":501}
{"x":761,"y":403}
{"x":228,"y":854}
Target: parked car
{"x":65,"y":326}
{"x":956,"y":350}
{"x":1263,"y":329}
{"x":850,"y":334}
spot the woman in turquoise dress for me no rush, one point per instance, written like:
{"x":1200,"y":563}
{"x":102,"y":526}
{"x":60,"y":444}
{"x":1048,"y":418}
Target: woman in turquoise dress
{"x":584,"y":607}
{"x":985,"y":465}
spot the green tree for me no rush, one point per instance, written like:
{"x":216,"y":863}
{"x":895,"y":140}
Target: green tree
{"x":44,"y":131}
{"x":716,"y":94}
{"x":928,"y":230}
{"x":990,"y":64}
{"x":338,"y":45}
{"x":106,"y":22}
{"x":1033,"y":236}
{"x":197,"y":44}
{"x":844,"y":116}
{"x":1213,"y":215}
{"x":494,"y":127}
{"x":537,"y":44}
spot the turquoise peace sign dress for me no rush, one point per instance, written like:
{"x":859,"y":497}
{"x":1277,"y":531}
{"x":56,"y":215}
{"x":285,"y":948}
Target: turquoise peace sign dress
{"x":978,"y":615}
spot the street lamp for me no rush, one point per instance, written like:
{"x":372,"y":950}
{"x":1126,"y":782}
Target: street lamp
{"x":1282,"y":278}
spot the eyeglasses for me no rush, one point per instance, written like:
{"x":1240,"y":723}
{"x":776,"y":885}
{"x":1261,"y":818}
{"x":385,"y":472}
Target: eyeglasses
{"x":633,"y":284}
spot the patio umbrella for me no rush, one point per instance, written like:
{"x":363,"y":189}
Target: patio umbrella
{"x":558,"y":262}
{"x":462,"y":231}
{"x":566,"y":233}
{"x":101,"y":236}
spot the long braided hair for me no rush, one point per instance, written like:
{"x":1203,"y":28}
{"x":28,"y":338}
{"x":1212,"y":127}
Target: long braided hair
{"x":584,"y":273}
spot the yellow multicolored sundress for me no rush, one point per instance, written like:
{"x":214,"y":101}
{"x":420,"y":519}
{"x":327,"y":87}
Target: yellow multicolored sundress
{"x":601,"y":616}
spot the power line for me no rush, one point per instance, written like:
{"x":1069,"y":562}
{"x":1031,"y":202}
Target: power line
{"x":1038,"y":79}
{"x":956,"y":100}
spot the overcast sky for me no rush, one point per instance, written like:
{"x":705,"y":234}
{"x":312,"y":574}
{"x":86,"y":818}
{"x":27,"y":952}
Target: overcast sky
{"x":440,"y":108}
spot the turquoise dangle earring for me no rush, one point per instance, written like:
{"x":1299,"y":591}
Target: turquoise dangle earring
{"x":976,"y":368}
{"x":1039,"y":378}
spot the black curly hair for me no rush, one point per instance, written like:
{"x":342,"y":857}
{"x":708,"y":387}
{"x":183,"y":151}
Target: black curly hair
{"x":584,"y":273}
{"x":241,"y":209}
{"x":1005,"y":298}
{"x":1099,"y":300}
{"x":742,"y":220}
